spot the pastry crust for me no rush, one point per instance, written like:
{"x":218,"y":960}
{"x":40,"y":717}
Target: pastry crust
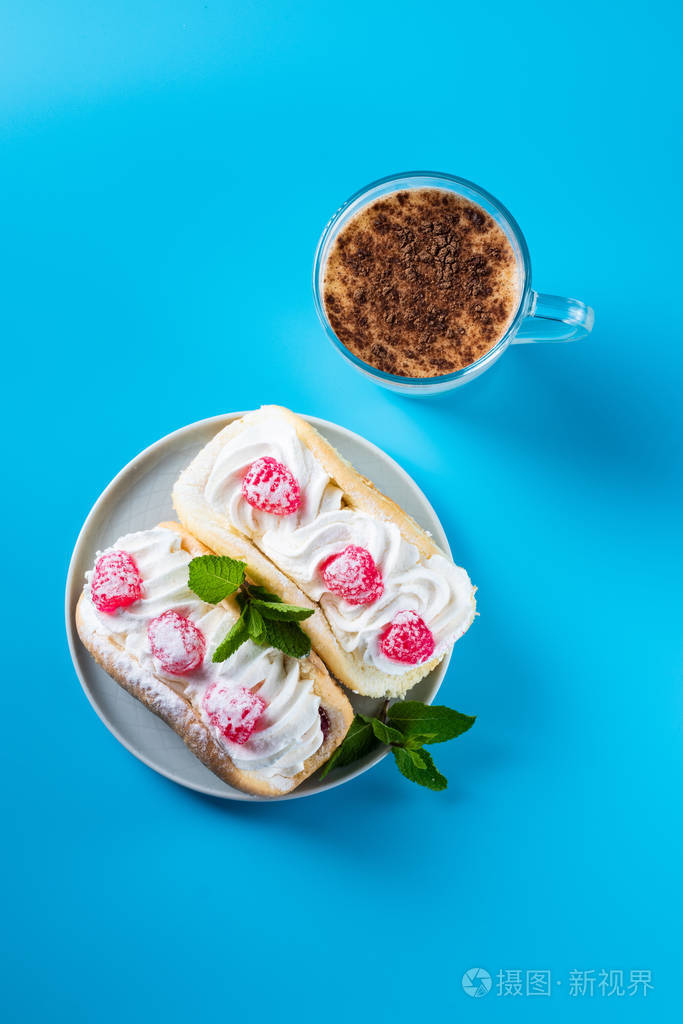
{"x":174,"y":709}
{"x":221,"y":536}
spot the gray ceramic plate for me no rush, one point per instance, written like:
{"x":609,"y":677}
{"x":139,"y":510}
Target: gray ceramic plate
{"x":140,"y":497}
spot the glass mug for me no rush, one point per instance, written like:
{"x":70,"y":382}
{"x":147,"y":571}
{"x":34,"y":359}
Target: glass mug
{"x":538,"y":317}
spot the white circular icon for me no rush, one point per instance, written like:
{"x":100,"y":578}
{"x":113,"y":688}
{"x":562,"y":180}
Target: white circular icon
{"x":476,"y":982}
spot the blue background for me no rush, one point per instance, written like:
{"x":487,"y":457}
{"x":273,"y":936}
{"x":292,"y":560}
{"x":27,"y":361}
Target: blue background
{"x":166,"y":170}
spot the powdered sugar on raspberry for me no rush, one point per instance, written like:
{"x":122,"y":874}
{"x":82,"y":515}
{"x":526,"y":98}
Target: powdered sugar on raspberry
{"x":271,"y":487}
{"x":235,"y":713}
{"x":407,"y":639}
{"x":116,"y":581}
{"x":353,"y":575}
{"x":177,"y":644}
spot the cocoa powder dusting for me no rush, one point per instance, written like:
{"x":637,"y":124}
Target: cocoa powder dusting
{"x":420,"y":283}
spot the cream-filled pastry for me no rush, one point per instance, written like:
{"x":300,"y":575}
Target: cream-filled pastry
{"x":261,"y":720}
{"x":391,"y":603}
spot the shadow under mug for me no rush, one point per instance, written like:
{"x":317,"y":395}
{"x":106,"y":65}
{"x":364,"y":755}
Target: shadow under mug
{"x":537,"y":317}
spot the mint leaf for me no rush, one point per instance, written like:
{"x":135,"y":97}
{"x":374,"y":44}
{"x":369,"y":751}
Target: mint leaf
{"x":434,"y":724}
{"x":359,"y":740}
{"x":283,"y":612}
{"x":213,"y":577}
{"x":255,"y":623}
{"x":262,"y":594}
{"x":414,"y":742}
{"x":417,"y":765}
{"x":235,"y":638}
{"x":286,"y":636}
{"x":384,"y":733}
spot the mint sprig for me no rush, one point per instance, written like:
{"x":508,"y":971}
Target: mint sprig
{"x":264,"y":618}
{"x":405,"y":728}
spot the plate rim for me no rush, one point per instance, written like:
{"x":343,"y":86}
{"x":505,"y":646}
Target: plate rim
{"x":74,"y":642}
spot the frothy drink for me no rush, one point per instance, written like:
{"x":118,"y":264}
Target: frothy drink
{"x":420,"y":283}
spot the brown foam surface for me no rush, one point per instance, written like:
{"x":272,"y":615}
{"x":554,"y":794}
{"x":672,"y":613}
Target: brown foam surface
{"x":420,"y":283}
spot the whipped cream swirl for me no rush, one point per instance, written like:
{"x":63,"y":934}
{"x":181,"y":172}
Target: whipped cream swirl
{"x":289,"y":731}
{"x":436,"y":589}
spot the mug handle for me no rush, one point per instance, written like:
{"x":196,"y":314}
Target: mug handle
{"x":554,"y":318}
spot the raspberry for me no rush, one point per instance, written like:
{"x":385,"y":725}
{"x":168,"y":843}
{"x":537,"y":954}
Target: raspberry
{"x":353,"y":574}
{"x":176,"y":643}
{"x":116,"y":581}
{"x":407,"y":639}
{"x":235,"y":713}
{"x":324,"y":722}
{"x":271,"y":487}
